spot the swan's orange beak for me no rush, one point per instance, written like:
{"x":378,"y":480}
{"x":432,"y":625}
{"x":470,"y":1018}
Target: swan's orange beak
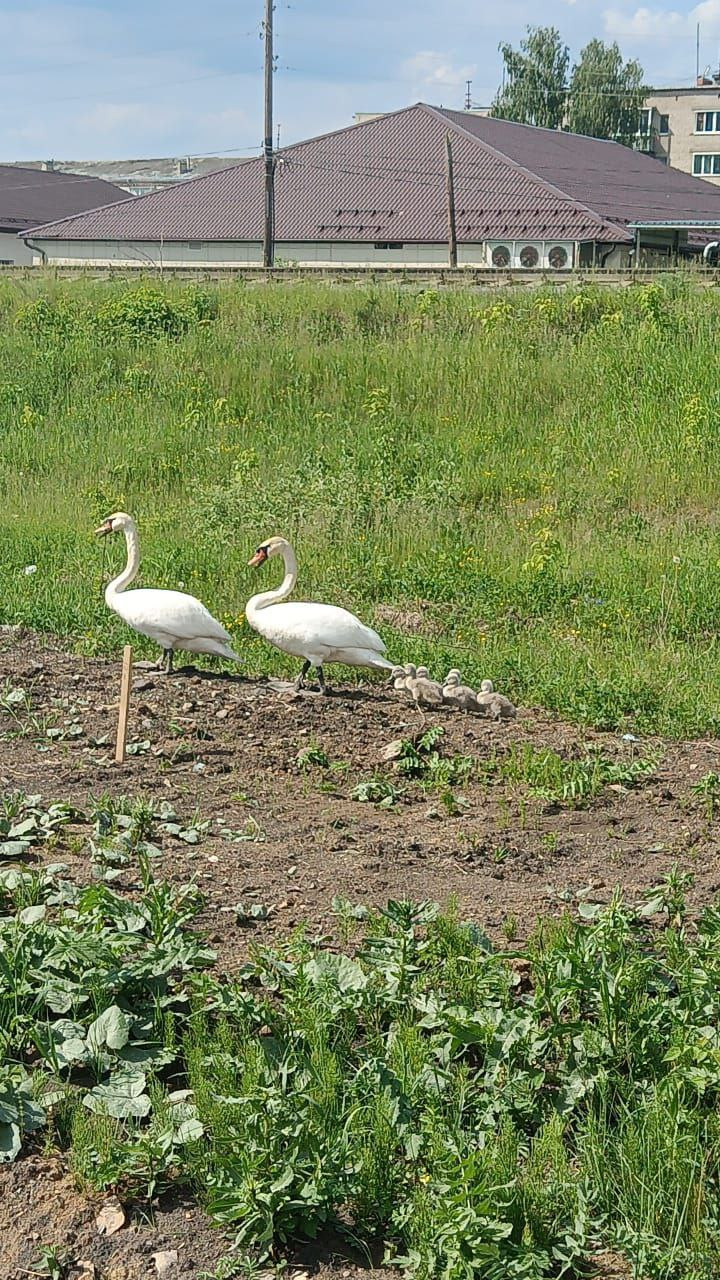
{"x":260,"y":557}
{"x":105,"y":527}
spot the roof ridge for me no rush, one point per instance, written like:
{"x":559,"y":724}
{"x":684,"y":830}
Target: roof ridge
{"x":446,"y":113}
{"x":536,"y":128}
{"x":348,"y":128}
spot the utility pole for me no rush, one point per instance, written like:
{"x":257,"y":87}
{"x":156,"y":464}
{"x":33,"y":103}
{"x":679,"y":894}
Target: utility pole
{"x":268,"y":224}
{"x":697,"y":53}
{"x":468,"y":95}
{"x":452,"y":232}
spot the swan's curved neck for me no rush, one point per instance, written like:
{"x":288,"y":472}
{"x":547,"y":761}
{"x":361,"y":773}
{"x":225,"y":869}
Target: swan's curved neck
{"x":129,"y":573}
{"x":265,"y":598}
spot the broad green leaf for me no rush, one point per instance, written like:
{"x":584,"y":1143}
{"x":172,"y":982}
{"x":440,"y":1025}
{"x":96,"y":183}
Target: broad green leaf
{"x":574,"y":1089}
{"x":58,"y":999}
{"x":25,"y":828}
{"x":9,"y":1113}
{"x":32,"y":915}
{"x":9,"y":1142}
{"x":13,"y":848}
{"x":189,"y":1130}
{"x":10,"y":878}
{"x":105,"y":1101}
{"x":142,"y":1051}
{"x":133,"y":922}
{"x":589,"y":910}
{"x":122,"y":1095}
{"x":347,"y":974}
{"x":69,"y":1042}
{"x":112,"y":1028}
{"x":32,"y":1114}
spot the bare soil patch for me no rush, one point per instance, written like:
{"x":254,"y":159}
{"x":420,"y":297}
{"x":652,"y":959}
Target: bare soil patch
{"x":225,"y":749}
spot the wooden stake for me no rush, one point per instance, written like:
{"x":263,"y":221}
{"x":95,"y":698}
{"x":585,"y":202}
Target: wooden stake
{"x":124,"y":704}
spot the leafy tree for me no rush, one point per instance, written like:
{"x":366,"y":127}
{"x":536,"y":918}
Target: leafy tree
{"x":534,"y":87}
{"x":606,"y":94}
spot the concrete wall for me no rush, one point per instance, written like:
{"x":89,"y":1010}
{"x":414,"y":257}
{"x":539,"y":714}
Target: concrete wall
{"x":239,"y":253}
{"x":683,"y":142}
{"x":12,"y":249}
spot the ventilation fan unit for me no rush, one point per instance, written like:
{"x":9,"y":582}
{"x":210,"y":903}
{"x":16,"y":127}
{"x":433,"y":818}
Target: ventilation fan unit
{"x":529,"y":256}
{"x":558,"y":257}
{"x":501,"y":256}
{"x":523,"y":255}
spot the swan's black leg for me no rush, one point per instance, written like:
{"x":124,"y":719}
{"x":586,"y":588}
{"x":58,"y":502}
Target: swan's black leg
{"x":321,"y":680}
{"x":168,"y":662}
{"x":301,"y":678}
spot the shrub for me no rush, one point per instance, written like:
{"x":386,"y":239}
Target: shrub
{"x":148,"y":312}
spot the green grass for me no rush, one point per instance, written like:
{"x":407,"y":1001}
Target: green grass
{"x":573,"y":782}
{"x":411,"y":1091}
{"x":537,"y":477}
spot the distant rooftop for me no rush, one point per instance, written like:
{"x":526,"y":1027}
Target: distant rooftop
{"x":28,"y":197}
{"x":136,"y":176}
{"x":703,"y":82}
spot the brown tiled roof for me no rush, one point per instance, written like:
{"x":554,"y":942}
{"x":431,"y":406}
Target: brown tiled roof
{"x":619,"y":184}
{"x":384,"y":179}
{"x":29,"y":197}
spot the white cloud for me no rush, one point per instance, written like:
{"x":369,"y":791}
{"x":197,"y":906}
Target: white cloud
{"x":660,"y":23}
{"x":431,"y":68}
{"x":708,"y":11}
{"x":644,"y":22}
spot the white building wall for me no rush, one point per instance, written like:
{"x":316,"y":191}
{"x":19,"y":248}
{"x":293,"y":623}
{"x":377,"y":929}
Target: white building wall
{"x":119,"y":253}
{"x":237,"y":253}
{"x":13,"y":249}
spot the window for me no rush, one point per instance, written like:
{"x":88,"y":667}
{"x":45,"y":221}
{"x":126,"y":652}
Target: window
{"x":707,"y":122}
{"x":389,"y":244}
{"x":501,"y":256}
{"x":706,"y":165}
{"x":195,"y":245}
{"x":664,"y":126}
{"x":644,"y":123}
{"x":529,"y":256}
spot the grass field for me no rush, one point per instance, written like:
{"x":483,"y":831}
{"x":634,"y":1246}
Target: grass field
{"x":522,"y":485}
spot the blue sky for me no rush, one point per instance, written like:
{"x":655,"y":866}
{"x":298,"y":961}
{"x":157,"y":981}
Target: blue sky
{"x":108,"y":80}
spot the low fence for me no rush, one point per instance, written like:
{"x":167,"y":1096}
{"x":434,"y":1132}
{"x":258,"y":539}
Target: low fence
{"x":458,"y":277}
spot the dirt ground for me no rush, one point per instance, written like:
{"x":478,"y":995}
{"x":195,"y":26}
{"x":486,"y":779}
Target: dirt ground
{"x":225,"y":749}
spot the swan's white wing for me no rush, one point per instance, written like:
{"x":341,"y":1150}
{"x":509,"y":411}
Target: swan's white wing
{"x":300,"y":628}
{"x":172,"y":613}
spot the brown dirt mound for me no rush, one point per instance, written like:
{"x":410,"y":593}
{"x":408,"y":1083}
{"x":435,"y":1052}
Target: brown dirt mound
{"x":292,"y":838}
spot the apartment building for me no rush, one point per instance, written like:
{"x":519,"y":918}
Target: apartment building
{"x":682,"y":127}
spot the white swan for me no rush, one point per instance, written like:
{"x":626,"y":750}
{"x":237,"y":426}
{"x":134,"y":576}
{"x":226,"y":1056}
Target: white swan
{"x":170,"y":618}
{"x":318,"y":633}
